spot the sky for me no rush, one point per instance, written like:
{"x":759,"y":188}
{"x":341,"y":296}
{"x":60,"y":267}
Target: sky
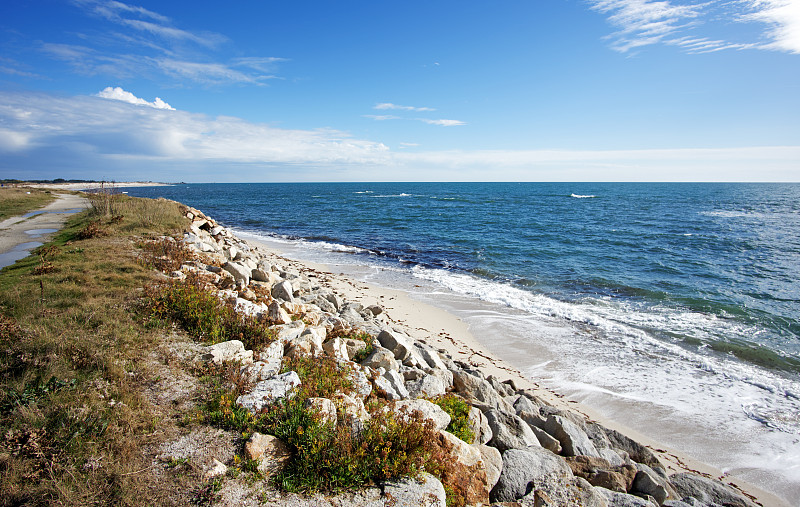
{"x":268,"y":91}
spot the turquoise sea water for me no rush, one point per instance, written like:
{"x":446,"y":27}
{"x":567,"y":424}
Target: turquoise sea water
{"x":683,"y":296}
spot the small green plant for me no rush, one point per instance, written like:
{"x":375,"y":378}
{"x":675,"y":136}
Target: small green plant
{"x":207,"y":494}
{"x":369,"y":349}
{"x":458,"y":409}
{"x":33,"y":391}
{"x":194,"y":305}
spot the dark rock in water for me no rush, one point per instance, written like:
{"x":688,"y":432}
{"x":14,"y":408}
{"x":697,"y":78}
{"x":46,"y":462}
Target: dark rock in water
{"x":708,"y":490}
{"x":526,"y":470}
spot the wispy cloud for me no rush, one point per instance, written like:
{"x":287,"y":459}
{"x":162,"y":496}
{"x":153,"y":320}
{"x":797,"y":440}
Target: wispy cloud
{"x":782,"y":18}
{"x":442,"y":123}
{"x":117,"y":93}
{"x":389,"y":105}
{"x":148,"y":44}
{"x":641,"y":23}
{"x":383,"y":117}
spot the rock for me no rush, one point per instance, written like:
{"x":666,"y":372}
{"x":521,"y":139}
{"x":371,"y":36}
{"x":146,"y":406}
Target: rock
{"x":352,"y":412}
{"x":352,"y":317}
{"x":375,"y":310}
{"x":479,"y":426}
{"x":707,"y":490}
{"x":509,"y":431}
{"x":240,"y":273}
{"x":397,"y":383}
{"x":283,"y":290}
{"x":478,"y":391}
{"x":381,"y":358}
{"x":262,"y":370}
{"x":324,"y":408}
{"x":545,"y":439}
{"x":334,"y":300}
{"x":354,"y":346}
{"x":272,"y":453}
{"x":492,"y":461}
{"x":574,"y":440}
{"x":501,"y":388}
{"x":277,"y":314}
{"x":267,"y":391}
{"x":308,"y":343}
{"x":399,"y":344}
{"x":426,"y":387}
{"x":232,"y":350}
{"x":361,"y":384}
{"x":427,"y":410}
{"x":648,"y":482}
{"x":336,"y":348}
{"x":619,"y":499}
{"x":469,"y":470}
{"x":526,"y":470}
{"x":430,"y":357}
{"x":217,"y":469}
{"x":382,"y":384}
{"x":407,"y":492}
{"x":635,"y":450}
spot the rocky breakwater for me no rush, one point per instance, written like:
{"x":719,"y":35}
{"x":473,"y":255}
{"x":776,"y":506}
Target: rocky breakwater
{"x":525,"y":451}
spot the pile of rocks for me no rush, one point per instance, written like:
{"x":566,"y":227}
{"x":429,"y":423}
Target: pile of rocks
{"x":525,"y":450}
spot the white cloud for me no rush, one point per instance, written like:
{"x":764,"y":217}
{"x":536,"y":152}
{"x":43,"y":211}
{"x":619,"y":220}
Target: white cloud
{"x":783,"y":20}
{"x":118,"y":130}
{"x":641,"y":23}
{"x":443,"y":123}
{"x":209,"y":73}
{"x":383,"y":117}
{"x":389,"y":105}
{"x":118,"y":93}
{"x":54,"y":136}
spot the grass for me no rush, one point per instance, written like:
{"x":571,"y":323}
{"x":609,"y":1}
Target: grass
{"x":64,"y":331}
{"x":78,"y":323}
{"x":18,"y":201}
{"x":458,"y":409}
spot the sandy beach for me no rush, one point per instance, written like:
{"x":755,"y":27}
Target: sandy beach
{"x":443,"y":330}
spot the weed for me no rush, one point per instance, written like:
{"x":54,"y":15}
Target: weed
{"x":33,"y":390}
{"x":370,"y":348}
{"x":458,"y":409}
{"x":165,"y":254}
{"x":207,"y":494}
{"x":91,"y":230}
{"x":194,"y":305}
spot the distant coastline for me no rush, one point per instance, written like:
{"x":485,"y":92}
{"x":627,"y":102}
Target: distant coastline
{"x":92,"y":185}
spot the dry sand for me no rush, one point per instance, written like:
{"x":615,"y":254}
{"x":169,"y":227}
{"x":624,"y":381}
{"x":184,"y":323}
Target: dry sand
{"x":443,"y":330}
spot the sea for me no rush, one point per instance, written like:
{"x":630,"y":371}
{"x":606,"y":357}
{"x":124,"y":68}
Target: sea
{"x":672,"y":308}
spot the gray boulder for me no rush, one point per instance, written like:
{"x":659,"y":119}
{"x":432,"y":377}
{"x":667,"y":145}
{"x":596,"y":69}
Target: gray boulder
{"x":398,"y":343}
{"x":427,"y":410}
{"x":574,"y":441}
{"x":232,"y":350}
{"x":426,"y":387}
{"x":707,"y":490}
{"x":396,"y":381}
{"x":268,"y":391}
{"x":478,"y":391}
{"x":240,"y":273}
{"x":381,"y":358}
{"x":635,"y":450}
{"x":651,"y":482}
{"x":526,"y":470}
{"x":509,"y":431}
{"x":493,"y":462}
{"x":424,"y":490}
{"x":479,"y":426}
{"x":617,"y":499}
{"x":284,"y":291}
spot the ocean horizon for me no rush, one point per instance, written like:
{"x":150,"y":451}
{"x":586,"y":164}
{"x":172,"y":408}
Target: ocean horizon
{"x":670,"y":307}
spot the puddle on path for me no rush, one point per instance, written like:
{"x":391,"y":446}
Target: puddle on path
{"x":18,"y":252}
{"x":38,"y":232}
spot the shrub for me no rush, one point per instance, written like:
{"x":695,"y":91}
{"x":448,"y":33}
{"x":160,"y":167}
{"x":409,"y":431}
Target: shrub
{"x":91,"y":230}
{"x":458,"y":409}
{"x":165,"y":254}
{"x":194,"y":305}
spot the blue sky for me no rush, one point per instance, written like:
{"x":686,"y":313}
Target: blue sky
{"x":557,"y":90}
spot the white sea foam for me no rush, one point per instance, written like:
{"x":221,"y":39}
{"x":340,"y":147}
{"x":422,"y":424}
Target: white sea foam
{"x":578,"y":196}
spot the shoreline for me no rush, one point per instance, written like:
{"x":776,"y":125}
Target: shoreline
{"x":95,"y":185}
{"x":442,"y":329}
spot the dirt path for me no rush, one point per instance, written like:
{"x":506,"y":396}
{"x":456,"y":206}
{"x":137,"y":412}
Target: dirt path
{"x":19,"y":235}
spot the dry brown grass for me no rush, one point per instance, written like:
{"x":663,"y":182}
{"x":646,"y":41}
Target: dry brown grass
{"x":17,"y":201}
